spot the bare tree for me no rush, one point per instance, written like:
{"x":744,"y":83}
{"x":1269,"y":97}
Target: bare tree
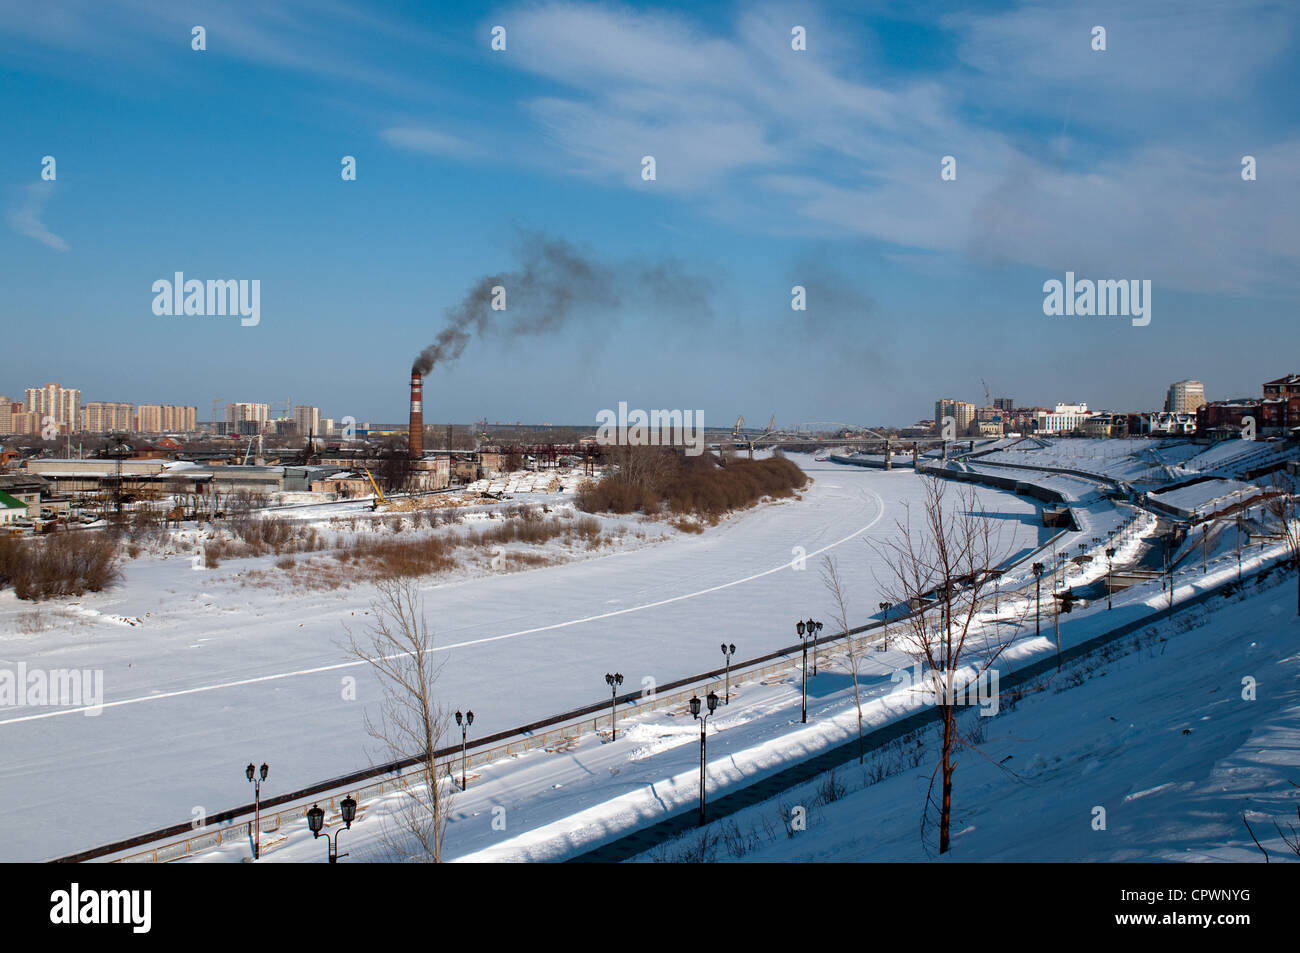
{"x":1281,"y":505}
{"x":947,"y":562}
{"x":852,"y":649}
{"x":400,"y":647}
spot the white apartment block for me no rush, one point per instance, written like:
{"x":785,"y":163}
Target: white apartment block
{"x":1065,"y":418}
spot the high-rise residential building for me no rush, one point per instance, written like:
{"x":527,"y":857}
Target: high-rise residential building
{"x":307,"y":420}
{"x":61,"y":403}
{"x":23,"y":421}
{"x":1005,"y":404}
{"x":247,"y":418}
{"x":1184,"y":397}
{"x":961,"y":411}
{"x":100,"y":416}
{"x":180,"y":418}
{"x":148,"y":418}
{"x":166,"y":418}
{"x":6,"y":414}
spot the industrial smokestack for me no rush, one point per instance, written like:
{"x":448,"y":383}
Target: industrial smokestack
{"x":416,"y":437}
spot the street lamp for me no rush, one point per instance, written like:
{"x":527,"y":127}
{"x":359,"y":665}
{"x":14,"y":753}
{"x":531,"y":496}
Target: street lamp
{"x":884,"y":615}
{"x":1110,"y":572}
{"x":1038,"y":595}
{"x":814,"y":628}
{"x":811,"y":632}
{"x":712,"y":701}
{"x":1238,"y":546}
{"x":316,"y":822}
{"x":464,"y":724}
{"x":613,"y":681}
{"x":727,"y":652}
{"x":257,"y":777}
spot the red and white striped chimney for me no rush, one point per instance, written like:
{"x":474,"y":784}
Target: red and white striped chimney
{"x":415,"y":438}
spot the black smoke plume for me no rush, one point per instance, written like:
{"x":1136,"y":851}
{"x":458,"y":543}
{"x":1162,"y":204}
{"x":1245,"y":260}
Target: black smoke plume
{"x":555,"y":281}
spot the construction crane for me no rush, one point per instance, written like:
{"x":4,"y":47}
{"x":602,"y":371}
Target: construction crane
{"x":379,"y":497}
{"x":988,"y":400}
{"x":740,"y":422}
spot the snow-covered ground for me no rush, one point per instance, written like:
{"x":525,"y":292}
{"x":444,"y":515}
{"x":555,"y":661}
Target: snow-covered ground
{"x":1208,"y":496}
{"x":550,"y":805}
{"x":1140,"y":461}
{"x":206,"y":670}
{"x":1155,"y":755}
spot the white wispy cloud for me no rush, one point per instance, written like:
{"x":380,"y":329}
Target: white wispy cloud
{"x":26,"y":216}
{"x":430,"y":141}
{"x":736,"y":119}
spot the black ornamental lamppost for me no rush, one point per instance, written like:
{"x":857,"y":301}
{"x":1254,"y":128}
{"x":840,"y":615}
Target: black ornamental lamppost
{"x":712,"y":701}
{"x":997,"y":587}
{"x":884,"y":615}
{"x":1038,"y":595}
{"x":1239,"y":546}
{"x":464,"y":722}
{"x":316,"y":822}
{"x":814,"y":628}
{"x":1110,"y":574}
{"x":257,"y":777}
{"x":727,"y":652}
{"x":805,"y":632}
{"x":613,"y":681}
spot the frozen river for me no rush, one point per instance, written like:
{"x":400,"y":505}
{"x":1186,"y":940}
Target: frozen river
{"x":217,"y":674}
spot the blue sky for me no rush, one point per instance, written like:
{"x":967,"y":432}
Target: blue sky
{"x":774,"y":168}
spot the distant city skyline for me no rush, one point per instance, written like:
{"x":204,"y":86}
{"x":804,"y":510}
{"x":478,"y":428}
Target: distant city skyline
{"x":775,"y":169}
{"x":276,"y":409}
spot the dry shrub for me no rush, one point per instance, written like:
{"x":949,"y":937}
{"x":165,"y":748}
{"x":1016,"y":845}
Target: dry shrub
{"x":518,"y":561}
{"x":65,"y":564}
{"x":700,"y":486}
{"x":404,"y":558}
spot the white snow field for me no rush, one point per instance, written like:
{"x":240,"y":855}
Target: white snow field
{"x":204,"y":672}
{"x":1167,"y":740}
{"x":554,"y":804}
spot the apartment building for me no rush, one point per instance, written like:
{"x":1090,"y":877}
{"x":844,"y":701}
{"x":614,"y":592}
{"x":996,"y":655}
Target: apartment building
{"x":166,"y":418}
{"x":307,"y":420}
{"x":61,"y":403}
{"x":1184,"y":397}
{"x":963,"y":412}
{"x":100,"y":416}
